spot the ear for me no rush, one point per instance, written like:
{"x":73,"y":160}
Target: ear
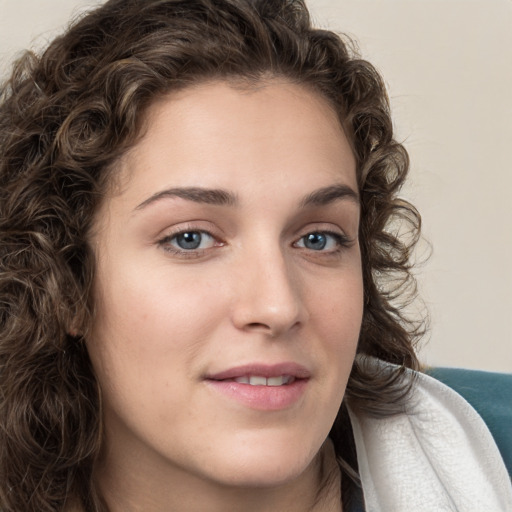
{"x":74,"y":321}
{"x":74,"y":326}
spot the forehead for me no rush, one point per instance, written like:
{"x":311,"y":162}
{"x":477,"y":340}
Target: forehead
{"x":217,"y":134}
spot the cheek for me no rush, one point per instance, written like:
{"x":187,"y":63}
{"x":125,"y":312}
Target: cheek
{"x":336,"y":316}
{"x":151,"y":323}
{"x":138,"y":351}
{"x":149,"y":304}
{"x":338,"y":305}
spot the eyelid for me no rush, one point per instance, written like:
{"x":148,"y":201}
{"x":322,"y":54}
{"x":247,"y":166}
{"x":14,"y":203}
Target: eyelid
{"x":340,"y":238}
{"x":192,"y":227}
{"x":331,"y":228}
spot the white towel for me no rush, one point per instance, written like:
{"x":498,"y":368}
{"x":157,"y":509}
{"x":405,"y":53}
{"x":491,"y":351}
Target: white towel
{"x":438,"y":456}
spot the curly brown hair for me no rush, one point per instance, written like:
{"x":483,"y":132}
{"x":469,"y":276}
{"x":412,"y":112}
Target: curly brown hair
{"x":66,"y":117}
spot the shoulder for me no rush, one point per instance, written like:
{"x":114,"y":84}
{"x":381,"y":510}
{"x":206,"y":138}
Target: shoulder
{"x":490,"y":394}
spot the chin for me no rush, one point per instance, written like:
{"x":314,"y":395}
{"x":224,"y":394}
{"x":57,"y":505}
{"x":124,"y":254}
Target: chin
{"x":269,"y":475}
{"x":266,"y":464}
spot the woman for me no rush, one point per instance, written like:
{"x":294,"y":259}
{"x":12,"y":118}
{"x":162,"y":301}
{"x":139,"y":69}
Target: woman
{"x":196,"y":208}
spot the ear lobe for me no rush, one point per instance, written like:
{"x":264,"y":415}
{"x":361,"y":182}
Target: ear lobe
{"x":73,"y":328}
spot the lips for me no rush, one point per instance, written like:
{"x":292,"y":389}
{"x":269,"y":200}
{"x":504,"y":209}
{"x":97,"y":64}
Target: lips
{"x":262,"y":387}
{"x":261,"y":370}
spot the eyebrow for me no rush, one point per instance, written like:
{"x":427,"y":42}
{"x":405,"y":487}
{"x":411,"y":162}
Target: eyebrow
{"x":330,"y":194}
{"x":196,"y":194}
{"x":220,"y":197}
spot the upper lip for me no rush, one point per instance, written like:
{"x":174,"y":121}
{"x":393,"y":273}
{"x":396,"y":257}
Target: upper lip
{"x":262,"y":370}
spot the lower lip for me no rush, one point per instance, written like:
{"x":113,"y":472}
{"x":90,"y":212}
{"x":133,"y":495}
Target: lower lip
{"x":263,"y":398}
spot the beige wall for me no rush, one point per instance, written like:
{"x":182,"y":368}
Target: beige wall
{"x":448,"y":66}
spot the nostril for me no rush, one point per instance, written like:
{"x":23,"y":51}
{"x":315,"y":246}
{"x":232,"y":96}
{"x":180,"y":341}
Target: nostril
{"x":257,"y":325}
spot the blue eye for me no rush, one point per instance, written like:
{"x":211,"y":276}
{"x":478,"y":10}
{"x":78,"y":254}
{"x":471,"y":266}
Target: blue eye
{"x":315,"y":241}
{"x":321,"y":241}
{"x":191,"y":240}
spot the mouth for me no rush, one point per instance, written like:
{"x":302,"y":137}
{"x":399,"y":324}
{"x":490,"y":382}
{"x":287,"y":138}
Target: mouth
{"x":259,"y":380}
{"x":262,"y":387}
{"x":258,"y":374}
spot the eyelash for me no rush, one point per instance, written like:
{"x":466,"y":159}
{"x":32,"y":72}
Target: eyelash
{"x":165,"y":243}
{"x":341,"y":241}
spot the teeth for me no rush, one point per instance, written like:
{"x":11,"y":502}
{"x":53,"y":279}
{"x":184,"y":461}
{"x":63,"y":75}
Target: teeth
{"x":275,"y":381}
{"x":256,"y":380}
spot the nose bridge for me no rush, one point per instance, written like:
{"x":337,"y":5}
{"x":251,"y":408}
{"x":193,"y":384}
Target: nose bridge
{"x":268,"y":295}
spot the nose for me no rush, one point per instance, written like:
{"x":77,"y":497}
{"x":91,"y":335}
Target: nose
{"x":267,"y":295}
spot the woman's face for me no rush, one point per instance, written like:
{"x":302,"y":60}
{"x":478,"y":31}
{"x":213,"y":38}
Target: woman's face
{"x":229,"y":291}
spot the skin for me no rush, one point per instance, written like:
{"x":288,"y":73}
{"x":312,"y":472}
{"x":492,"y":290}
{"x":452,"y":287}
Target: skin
{"x":252,"y":292}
